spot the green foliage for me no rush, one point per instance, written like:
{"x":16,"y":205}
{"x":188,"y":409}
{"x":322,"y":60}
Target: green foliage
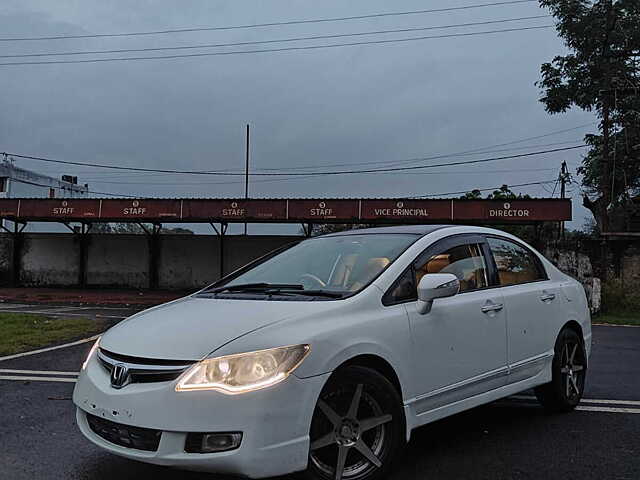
{"x":602,"y":66}
{"x":620,"y":299}
{"x":503,"y":193}
{"x":134,"y":228}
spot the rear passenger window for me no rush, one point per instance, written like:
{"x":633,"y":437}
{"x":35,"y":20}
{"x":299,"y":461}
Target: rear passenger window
{"x":515,"y":263}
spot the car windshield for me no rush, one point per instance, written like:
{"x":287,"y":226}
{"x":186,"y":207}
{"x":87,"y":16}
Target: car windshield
{"x":338,"y":264}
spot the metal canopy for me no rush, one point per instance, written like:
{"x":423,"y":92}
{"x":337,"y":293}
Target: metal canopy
{"x":328,"y":210}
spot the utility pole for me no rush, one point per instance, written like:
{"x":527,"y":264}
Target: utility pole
{"x":246,"y":175}
{"x":605,"y":186}
{"x":564,"y":179}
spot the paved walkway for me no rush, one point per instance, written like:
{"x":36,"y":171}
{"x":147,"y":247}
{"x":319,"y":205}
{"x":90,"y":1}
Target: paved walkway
{"x":94,"y":296}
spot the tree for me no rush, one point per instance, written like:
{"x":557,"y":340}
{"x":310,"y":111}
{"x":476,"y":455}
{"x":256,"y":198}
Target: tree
{"x":135,"y":229}
{"x":601,"y":73}
{"x":503,"y":193}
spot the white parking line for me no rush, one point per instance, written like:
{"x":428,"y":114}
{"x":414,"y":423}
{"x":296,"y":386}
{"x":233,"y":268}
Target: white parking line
{"x":37,"y":379}
{"x":37,"y":372}
{"x":14,"y":305}
{"x":48,"y":349}
{"x":584,"y":400}
{"x":58,"y":314}
{"x":582,"y":408}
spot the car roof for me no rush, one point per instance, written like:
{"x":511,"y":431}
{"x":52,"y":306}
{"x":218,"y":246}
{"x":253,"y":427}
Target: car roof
{"x":401,"y":229}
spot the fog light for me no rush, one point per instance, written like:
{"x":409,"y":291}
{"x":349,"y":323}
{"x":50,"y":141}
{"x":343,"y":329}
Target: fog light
{"x":212,"y":442}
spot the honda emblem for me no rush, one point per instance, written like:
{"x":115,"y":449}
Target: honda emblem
{"x":119,"y":375}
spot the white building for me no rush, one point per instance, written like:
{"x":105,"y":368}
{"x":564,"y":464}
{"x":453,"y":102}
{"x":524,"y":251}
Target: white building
{"x":17,"y":182}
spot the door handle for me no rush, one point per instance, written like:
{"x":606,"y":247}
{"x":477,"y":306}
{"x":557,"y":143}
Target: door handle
{"x":495,"y":307}
{"x":547,"y":297}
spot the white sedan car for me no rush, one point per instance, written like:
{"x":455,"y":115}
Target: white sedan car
{"x":323,"y":357}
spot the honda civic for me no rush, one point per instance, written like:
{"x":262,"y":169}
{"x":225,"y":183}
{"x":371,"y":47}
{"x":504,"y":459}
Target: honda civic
{"x":324,"y":356}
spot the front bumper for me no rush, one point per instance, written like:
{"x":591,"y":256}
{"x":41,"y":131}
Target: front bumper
{"x":274,"y":421}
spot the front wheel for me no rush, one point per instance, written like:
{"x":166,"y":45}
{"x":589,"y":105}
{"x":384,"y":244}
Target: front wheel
{"x":569,"y":371}
{"x":357,"y":428}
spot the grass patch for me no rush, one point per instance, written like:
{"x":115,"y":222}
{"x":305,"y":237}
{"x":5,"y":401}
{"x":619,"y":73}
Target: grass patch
{"x":620,"y":304}
{"x":20,"y":332}
{"x":623,"y":318}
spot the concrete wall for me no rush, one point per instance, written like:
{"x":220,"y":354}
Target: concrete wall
{"x":183,"y":261}
{"x":578,"y":265}
{"x":190,"y":261}
{"x":49,"y":259}
{"x":240,"y":250}
{"x":6,"y":259}
{"x":118,"y":261}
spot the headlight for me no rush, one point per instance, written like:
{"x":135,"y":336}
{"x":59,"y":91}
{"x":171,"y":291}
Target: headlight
{"x":244,"y":372}
{"x":90,"y":354}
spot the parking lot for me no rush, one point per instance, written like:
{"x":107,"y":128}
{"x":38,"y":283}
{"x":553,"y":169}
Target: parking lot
{"x":511,"y":439}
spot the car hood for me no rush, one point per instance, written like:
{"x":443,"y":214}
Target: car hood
{"x":191,"y":328}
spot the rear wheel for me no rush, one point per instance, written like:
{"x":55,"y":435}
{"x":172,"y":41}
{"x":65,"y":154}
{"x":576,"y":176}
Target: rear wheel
{"x":569,"y":370}
{"x":357,"y":427}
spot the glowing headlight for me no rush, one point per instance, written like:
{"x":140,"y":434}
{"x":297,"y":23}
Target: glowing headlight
{"x":91,"y":352}
{"x":244,"y":372}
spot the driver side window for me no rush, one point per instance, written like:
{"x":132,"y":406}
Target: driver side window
{"x":466,"y":262}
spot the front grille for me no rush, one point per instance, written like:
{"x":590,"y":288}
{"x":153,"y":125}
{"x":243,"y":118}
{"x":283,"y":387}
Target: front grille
{"x":125,"y":435}
{"x":144,"y":370}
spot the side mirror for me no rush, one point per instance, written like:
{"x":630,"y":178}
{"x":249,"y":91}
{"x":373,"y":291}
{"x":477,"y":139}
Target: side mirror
{"x":436,"y":285}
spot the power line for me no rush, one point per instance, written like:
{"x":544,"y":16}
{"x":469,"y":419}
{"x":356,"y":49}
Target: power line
{"x":270,"y":24}
{"x":98,"y":176}
{"x":263,"y":174}
{"x":481,"y":150}
{"x":281,"y":40}
{"x":273,"y":50}
{"x":175,"y":184}
{"x":535,"y":137}
{"x":418,"y":159}
{"x":484,"y":189}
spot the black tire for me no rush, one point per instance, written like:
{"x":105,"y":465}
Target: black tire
{"x":335,"y":432}
{"x":569,"y":370}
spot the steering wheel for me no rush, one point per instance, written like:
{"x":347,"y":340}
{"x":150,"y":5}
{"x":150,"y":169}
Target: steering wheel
{"x":304,"y":280}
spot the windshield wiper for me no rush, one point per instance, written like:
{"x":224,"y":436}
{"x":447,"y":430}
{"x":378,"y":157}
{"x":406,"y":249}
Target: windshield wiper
{"x":267,"y":288}
{"x":257,"y":287}
{"x":319,"y":293}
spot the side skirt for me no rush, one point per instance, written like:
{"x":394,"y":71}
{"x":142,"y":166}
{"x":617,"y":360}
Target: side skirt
{"x":415,"y":420}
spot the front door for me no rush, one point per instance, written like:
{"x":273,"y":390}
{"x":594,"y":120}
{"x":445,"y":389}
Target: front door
{"x":459,"y":347}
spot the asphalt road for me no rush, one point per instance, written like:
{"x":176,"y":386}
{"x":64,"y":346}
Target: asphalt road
{"x":510,"y":439}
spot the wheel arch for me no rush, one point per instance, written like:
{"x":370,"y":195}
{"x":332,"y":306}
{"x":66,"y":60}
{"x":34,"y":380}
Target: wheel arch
{"x":576,"y":327}
{"x":377,"y":363}
{"x":382,"y":366}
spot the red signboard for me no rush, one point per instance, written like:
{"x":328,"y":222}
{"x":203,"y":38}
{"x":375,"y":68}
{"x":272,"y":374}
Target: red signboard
{"x":507,"y":211}
{"x":291,"y":211}
{"x":403,"y":210}
{"x":328,"y":209}
{"x":8,"y":207}
{"x":141,"y":209}
{"x":64,"y":208}
{"x":234,"y":210}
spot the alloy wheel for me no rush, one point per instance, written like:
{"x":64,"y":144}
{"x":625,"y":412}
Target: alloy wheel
{"x":572,"y":370}
{"x":349,"y":437}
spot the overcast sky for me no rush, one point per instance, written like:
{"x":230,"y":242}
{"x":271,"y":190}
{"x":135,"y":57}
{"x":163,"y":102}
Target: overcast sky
{"x":348,"y":105}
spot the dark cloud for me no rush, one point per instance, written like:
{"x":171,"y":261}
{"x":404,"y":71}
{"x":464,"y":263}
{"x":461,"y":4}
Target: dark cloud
{"x":352,"y":104}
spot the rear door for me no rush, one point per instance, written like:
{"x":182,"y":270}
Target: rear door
{"x":532,"y":304}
